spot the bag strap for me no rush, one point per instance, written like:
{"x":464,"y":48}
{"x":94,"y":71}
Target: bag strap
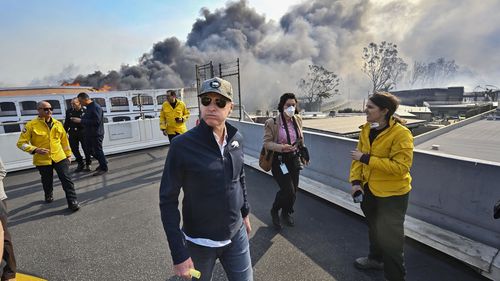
{"x":286,"y":128}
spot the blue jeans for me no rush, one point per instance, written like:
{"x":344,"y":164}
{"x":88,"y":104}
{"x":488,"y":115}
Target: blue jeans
{"x":235,"y":258}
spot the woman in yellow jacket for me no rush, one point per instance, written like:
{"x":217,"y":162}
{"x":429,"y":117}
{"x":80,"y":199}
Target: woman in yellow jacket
{"x":380,"y":177}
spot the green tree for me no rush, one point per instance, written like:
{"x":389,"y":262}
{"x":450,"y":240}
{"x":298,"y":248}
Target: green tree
{"x":383,"y":65}
{"x":319,"y":84}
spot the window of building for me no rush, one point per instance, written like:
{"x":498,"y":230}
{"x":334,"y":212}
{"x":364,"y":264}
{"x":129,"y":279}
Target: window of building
{"x":121,"y":118}
{"x":119,"y":101}
{"x":68,"y":103}
{"x":99,"y":101}
{"x":13,"y":128}
{"x":7,"y":109}
{"x":145,"y":117}
{"x":145,"y":100}
{"x":161,"y":99}
{"x":28,"y":108}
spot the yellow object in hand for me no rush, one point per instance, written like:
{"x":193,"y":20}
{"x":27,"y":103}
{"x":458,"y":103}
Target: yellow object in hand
{"x":195,"y":273}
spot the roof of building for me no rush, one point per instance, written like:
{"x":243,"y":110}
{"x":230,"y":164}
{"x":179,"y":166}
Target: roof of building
{"x":344,"y":125}
{"x":42,"y":90}
{"x":479,"y":140}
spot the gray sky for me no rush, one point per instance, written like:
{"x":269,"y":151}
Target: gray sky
{"x":44,"y":41}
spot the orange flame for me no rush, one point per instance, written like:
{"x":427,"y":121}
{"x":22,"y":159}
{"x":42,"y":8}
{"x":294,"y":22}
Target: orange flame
{"x":70,"y":84}
{"x":104,"y":88}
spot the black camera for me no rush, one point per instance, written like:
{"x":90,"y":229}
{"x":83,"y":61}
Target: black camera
{"x":357,"y":197}
{"x":297,"y":162}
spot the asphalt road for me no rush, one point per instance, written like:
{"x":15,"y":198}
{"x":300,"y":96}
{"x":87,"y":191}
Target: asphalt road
{"x":117,"y":235}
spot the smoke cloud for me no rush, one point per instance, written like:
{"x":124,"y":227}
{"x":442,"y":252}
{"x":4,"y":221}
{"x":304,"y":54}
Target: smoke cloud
{"x":274,"y":56}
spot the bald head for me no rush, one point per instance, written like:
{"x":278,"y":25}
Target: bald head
{"x":44,"y":110}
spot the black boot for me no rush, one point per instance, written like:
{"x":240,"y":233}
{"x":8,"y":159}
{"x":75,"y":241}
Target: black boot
{"x":287,"y":218}
{"x":276,"y":218}
{"x":73,"y":205}
{"x":49,"y":198}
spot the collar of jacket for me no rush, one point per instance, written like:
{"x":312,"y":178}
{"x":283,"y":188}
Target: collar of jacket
{"x":392,"y":121}
{"x":43,"y":120}
{"x":366,"y":126}
{"x":207,"y":132}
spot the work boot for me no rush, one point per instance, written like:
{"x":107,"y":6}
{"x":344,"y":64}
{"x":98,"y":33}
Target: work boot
{"x":49,"y":198}
{"x":79,"y":168}
{"x":99,"y":172}
{"x":287,"y":218}
{"x":276,"y":218}
{"x":73,"y":206}
{"x":87,"y":168}
{"x":367,"y":263}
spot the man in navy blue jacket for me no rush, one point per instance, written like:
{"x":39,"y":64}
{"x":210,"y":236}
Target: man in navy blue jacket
{"x":207,"y":164}
{"x":93,"y":122}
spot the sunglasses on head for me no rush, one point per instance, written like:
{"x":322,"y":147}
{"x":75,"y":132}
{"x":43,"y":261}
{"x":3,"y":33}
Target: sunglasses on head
{"x":47,"y":109}
{"x":220,"y":102}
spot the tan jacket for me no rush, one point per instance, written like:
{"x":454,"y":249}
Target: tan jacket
{"x":271,"y":132}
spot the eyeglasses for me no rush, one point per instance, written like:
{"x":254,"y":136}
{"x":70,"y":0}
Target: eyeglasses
{"x":221,"y":103}
{"x":47,"y":109}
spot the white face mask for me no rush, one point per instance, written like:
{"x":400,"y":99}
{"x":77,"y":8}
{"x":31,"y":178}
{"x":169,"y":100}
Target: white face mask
{"x":290,"y":111}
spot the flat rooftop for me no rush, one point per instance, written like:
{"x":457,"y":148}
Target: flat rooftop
{"x":343,"y":125}
{"x":479,"y":140}
{"x":117,"y":235}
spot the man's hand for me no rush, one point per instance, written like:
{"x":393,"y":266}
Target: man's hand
{"x":41,"y":151}
{"x":69,"y":159}
{"x":182,"y":269}
{"x":76,"y":120}
{"x":165,"y":132}
{"x":179,"y":119}
{"x":356,"y":154}
{"x":356,"y":188}
{"x":248,"y":226}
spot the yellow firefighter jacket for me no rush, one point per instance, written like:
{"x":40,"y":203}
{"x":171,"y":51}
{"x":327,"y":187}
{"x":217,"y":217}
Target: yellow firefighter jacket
{"x":168,"y":115}
{"x":36,"y":134}
{"x":391,"y":157}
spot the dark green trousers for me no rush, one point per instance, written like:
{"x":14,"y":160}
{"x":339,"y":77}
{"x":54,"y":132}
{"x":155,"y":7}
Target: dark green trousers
{"x":385,"y":217}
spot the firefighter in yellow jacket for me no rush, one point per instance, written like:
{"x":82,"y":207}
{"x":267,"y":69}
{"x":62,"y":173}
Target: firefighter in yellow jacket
{"x":381,"y":181}
{"x":46,"y":139}
{"x":173,"y":116}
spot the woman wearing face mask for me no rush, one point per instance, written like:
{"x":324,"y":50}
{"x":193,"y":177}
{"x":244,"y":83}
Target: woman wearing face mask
{"x":283,"y":135}
{"x":380,"y":169}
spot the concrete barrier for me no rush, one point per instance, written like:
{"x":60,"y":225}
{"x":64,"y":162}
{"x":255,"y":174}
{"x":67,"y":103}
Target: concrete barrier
{"x":451,"y":204}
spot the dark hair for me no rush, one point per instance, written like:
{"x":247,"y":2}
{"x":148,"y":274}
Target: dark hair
{"x":171,"y":93}
{"x":284,"y":98}
{"x":387,"y":100}
{"x":83,"y":96}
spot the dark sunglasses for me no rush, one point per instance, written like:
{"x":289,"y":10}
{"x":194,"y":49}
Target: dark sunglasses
{"x":221,"y":103}
{"x":46,"y":109}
